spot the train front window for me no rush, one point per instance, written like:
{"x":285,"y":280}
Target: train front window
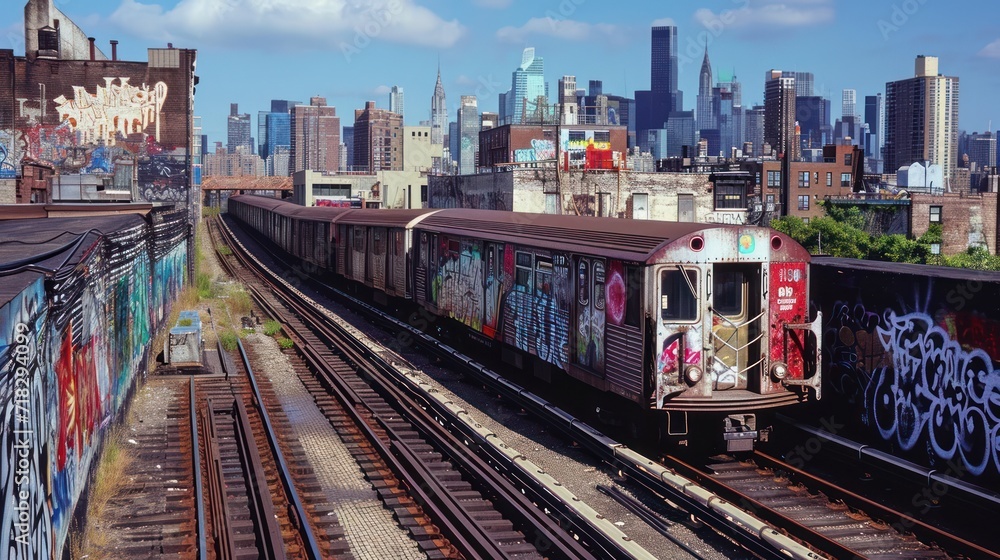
{"x":678,"y":295}
{"x":727,"y":293}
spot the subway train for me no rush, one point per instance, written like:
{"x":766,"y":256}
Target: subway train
{"x":673,"y":325}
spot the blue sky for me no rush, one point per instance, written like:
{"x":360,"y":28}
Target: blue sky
{"x":350,"y":51}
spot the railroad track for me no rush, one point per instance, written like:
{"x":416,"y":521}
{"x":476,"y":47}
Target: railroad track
{"x":453,"y":501}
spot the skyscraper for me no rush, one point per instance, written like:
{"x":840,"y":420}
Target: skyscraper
{"x":439,"y":112}
{"x":921,"y":119}
{"x":705,"y":115}
{"x":378,"y":140}
{"x":568,"y":106}
{"x":849,"y":104}
{"x":468,"y":127}
{"x":238,"y":127}
{"x":528,"y":96}
{"x":663,"y":74}
{"x":754,"y":129}
{"x":396,"y":100}
{"x":813,"y":115}
{"x":983,"y":149}
{"x":779,"y":114}
{"x":876,"y":131}
{"x":315,"y":137}
{"x":274,"y":127}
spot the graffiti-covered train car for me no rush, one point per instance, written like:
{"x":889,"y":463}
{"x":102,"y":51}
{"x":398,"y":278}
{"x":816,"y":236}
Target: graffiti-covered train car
{"x":914,"y":370}
{"x":680,"y":319}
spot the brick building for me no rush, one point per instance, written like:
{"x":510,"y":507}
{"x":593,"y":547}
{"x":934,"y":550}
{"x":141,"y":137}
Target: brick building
{"x":578,"y":145}
{"x":66,"y":105}
{"x":838,"y":175}
{"x":966,"y":220}
{"x":378,"y":139}
{"x":623,"y":194}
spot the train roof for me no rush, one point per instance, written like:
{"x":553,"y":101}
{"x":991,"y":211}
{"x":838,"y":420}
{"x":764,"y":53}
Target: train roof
{"x":948,"y":272}
{"x":384,"y":217}
{"x":32,"y":247}
{"x":634,"y":240}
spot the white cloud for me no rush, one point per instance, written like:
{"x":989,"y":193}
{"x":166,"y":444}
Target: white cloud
{"x":663,"y":22}
{"x":769,"y":14}
{"x":288,"y":24}
{"x":566,"y":29}
{"x":382,"y":90}
{"x":991,"y":50}
{"x":496,"y":4}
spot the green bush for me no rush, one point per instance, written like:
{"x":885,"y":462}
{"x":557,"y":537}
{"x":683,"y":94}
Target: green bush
{"x":224,"y":250}
{"x":204,"y":284}
{"x":285,"y":343}
{"x":240,"y":302}
{"x":229,"y":340}
{"x":272,"y":327}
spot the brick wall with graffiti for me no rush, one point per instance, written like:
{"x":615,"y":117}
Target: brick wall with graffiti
{"x":129,"y":122}
{"x":911,"y":361}
{"x":71,"y":351}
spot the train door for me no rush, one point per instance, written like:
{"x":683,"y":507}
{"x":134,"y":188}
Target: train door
{"x":377,"y":258}
{"x":736,"y":325}
{"x":492,"y":288}
{"x":590,"y":314}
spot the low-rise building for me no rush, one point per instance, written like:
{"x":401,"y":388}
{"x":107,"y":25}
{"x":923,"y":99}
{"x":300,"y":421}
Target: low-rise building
{"x":385,"y":189}
{"x":967,"y":220}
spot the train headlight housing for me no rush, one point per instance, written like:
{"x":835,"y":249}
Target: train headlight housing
{"x":692,"y":374}
{"x":779,"y":371}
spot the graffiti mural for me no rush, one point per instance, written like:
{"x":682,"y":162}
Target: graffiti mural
{"x":113,"y":110}
{"x":494,"y":291}
{"x":169,"y":271}
{"x":538,"y":305}
{"x":591,"y":300}
{"x":8,"y":165}
{"x":917,"y":386}
{"x":669,"y":363}
{"x":26,"y":526}
{"x":939,"y":391}
{"x":541,"y":149}
{"x":458,"y":282}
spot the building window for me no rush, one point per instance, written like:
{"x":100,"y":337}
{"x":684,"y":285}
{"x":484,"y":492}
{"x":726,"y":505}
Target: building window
{"x":730,"y":197}
{"x":845,"y":179}
{"x":640,"y":206}
{"x":774,"y":179}
{"x":935,"y":214}
{"x":829,"y":179}
{"x":848,"y":160}
{"x":803,"y":179}
{"x":803,"y":202}
{"x":935,"y":248}
{"x":805,"y":221}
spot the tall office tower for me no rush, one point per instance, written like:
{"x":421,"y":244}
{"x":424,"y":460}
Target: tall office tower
{"x":849,"y":104}
{"x":315,"y":137}
{"x":526,"y":101}
{"x":754,"y":129}
{"x":779,"y":115}
{"x":803,"y":83}
{"x":378,"y":139}
{"x":705,"y":115}
{"x":983,"y":149}
{"x":347,"y":138}
{"x":654,"y":106}
{"x":921,"y":119}
{"x":813,"y":116}
{"x":468,"y":128}
{"x":238,"y":127}
{"x":876,"y":133}
{"x":274,"y":127}
{"x":439,"y":113}
{"x":568,"y":106}
{"x":680,"y":133}
{"x":396,"y":100}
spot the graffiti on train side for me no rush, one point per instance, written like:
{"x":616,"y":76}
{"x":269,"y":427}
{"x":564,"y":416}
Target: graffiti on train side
{"x":918,"y":385}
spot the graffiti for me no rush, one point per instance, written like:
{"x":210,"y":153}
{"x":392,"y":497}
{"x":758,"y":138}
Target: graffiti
{"x":732,"y":218}
{"x":459,"y":283}
{"x":616,"y":292}
{"x":670,"y":380}
{"x":112,"y":110}
{"x":591,"y":292}
{"x":7,"y":169}
{"x":163,"y":178}
{"x":539,"y":310}
{"x":25,"y":527}
{"x":494,"y":291}
{"x":937,"y":389}
{"x":540,"y":150}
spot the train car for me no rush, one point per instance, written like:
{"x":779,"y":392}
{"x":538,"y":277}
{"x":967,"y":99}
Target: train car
{"x":678,"y":318}
{"x":674,"y":318}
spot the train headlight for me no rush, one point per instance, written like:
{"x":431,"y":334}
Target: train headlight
{"x":692,"y":374}
{"x":779,"y":371}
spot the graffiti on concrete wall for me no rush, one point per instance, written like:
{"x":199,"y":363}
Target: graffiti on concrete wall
{"x":25,"y":526}
{"x":113,"y":109}
{"x":917,"y":385}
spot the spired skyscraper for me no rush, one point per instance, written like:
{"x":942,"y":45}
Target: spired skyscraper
{"x":439,"y":112}
{"x":705,"y":116}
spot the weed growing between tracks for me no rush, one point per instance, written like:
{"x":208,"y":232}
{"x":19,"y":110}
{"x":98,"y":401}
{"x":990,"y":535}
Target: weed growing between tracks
{"x":109,"y":479}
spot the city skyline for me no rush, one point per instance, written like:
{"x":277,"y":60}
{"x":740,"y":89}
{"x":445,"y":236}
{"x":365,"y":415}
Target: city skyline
{"x":357,"y":56}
